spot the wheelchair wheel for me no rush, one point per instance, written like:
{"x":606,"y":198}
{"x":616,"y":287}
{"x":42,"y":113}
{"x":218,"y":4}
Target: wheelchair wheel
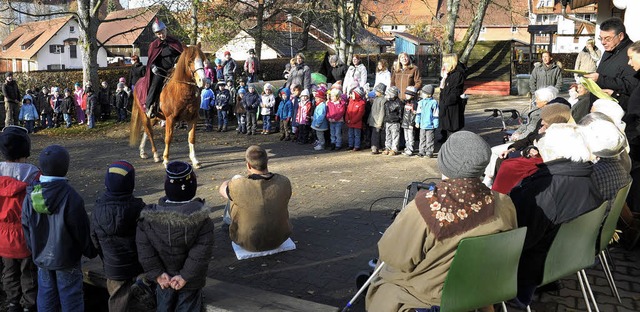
{"x":362,"y":277}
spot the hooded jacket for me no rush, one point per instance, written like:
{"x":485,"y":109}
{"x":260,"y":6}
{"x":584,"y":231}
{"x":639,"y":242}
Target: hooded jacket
{"x":252,"y":101}
{"x":56,"y":225}
{"x":355,"y":112}
{"x":427,"y":114}
{"x":409,"y":114}
{"x":393,"y":111}
{"x":285,"y":109}
{"x":176,"y":238}
{"x":320,"y":122}
{"x":336,"y":110}
{"x":28,"y":111}
{"x":113,"y":233}
{"x":560,"y":191}
{"x":14,"y":179}
{"x":376,"y":117}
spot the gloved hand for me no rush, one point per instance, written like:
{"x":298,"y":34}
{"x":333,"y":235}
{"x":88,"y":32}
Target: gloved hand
{"x":154,"y":69}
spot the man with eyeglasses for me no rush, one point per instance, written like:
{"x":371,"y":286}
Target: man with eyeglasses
{"x":614,"y":75}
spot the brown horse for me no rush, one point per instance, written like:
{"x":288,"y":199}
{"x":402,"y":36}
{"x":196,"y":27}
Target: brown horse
{"x":180,"y":101}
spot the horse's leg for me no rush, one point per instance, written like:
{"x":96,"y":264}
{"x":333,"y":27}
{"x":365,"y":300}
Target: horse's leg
{"x":168,"y":135}
{"x":192,"y":144}
{"x":143,"y":142}
{"x":148,"y":132}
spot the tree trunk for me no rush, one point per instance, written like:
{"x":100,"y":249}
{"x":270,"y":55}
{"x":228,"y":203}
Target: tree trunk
{"x":471,"y":37}
{"x":450,"y":27}
{"x":193,"y":37}
{"x":88,"y":22}
{"x":345,"y":27}
{"x":306,"y":26}
{"x":259,"y":26}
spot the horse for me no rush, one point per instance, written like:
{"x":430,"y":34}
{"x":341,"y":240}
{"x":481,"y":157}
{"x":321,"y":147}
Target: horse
{"x":180,"y":101}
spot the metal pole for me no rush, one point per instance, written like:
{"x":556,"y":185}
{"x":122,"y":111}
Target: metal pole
{"x":290,"y":20}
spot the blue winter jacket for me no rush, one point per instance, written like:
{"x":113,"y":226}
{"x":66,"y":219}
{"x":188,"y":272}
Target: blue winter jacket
{"x":320,"y":121}
{"x":207,"y":99}
{"x":285,"y":109}
{"x":28,"y":112}
{"x":427,"y":116}
{"x":56,"y":225}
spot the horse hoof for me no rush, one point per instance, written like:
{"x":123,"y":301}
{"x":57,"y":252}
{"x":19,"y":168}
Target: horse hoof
{"x":144,"y":155}
{"x":157,"y":159}
{"x":197,"y":165}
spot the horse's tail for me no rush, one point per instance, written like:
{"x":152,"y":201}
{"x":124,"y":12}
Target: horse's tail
{"x":136,"y":123}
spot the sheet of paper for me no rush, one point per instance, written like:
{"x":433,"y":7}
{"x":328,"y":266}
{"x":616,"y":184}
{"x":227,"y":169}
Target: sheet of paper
{"x":593,"y":87}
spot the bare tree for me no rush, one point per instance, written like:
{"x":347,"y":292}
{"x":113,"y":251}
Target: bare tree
{"x":450,"y":26}
{"x":346,"y":23}
{"x":471,"y":37}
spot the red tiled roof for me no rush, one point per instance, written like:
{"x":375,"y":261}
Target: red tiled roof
{"x":405,"y":12}
{"x":500,"y":13}
{"x":135,"y":20}
{"x":34,"y":35}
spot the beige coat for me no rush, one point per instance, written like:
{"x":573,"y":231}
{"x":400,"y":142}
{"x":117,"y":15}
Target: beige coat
{"x":417,"y":264}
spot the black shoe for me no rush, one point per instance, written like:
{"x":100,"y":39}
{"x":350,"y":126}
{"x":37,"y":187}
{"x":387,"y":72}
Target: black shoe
{"x":14,"y":307}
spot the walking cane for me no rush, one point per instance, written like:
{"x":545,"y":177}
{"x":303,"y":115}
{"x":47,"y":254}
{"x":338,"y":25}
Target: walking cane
{"x":362,"y":289}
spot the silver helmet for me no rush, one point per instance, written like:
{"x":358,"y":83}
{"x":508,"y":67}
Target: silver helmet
{"x":158,"y":25}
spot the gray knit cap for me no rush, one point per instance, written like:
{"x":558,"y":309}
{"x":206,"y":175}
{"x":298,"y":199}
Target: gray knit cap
{"x":427,"y":89}
{"x":392,"y":92}
{"x":464,"y":155}
{"x":380,"y":88}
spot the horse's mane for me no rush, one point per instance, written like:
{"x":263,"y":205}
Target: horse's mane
{"x":181,"y":73}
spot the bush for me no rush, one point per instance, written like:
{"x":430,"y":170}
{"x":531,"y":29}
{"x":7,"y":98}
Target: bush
{"x":67,"y":78}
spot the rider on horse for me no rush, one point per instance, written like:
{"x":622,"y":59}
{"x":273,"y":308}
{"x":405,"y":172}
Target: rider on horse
{"x":163,"y":55}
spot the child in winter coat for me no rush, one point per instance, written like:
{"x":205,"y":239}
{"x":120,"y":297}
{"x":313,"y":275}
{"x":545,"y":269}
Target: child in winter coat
{"x":57,"y":230}
{"x":114,"y":220}
{"x":233,"y":92}
{"x":68,"y":105}
{"x":219,"y":70}
{"x":222,"y":105}
{"x":320,"y":123}
{"x":20,"y":276}
{"x":353,"y":117}
{"x":46,"y":111}
{"x":303,"y":117}
{"x":284,"y":114}
{"x":268,"y":102}
{"x":392,"y":119}
{"x":409,"y":118}
{"x":56,"y":106}
{"x":121,"y":101}
{"x":207,"y":104}
{"x":28,"y":113}
{"x":296,"y":90}
{"x":81,"y":105}
{"x":92,"y":106}
{"x":427,"y":121}
{"x":241,"y":112}
{"x":252,"y":101}
{"x":175,"y":241}
{"x":336,"y":108}
{"x":376,"y":119}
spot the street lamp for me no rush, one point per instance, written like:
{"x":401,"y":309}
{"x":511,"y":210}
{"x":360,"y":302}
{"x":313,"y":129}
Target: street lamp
{"x":290,"y":20}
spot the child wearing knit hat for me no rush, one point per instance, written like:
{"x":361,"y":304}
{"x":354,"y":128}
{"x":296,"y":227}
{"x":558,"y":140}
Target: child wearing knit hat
{"x":376,"y":118}
{"x":353,"y":117}
{"x":267,"y":105}
{"x":336,"y":108}
{"x":114,"y":220}
{"x":408,"y":118}
{"x":20,"y":273}
{"x":427,"y":121}
{"x":122,"y":102}
{"x":175,"y":241}
{"x":57,"y":230}
{"x":392,"y":119}
{"x":319,"y":122}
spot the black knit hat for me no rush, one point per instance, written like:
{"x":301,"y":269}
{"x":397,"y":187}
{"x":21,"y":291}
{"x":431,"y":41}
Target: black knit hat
{"x":120,"y":178}
{"x":181,"y":183}
{"x":380,"y":88}
{"x":54,"y":161}
{"x":15,"y":143}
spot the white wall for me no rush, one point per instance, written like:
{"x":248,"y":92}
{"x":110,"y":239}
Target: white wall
{"x":240,"y":44}
{"x":44,"y":57}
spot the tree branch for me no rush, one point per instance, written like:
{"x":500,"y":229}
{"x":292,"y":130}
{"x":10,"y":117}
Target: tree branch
{"x":41,"y":15}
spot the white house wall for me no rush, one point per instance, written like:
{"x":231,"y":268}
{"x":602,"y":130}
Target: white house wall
{"x":240,"y":44}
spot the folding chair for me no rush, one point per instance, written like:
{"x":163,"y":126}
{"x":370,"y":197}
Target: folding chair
{"x":483,"y":272}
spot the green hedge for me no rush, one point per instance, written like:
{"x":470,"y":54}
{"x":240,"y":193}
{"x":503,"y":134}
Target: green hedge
{"x":66,"y":78}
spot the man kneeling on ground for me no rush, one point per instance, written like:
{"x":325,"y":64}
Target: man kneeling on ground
{"x":259,"y":204}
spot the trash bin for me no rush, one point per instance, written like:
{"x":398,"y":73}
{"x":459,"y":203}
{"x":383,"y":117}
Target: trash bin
{"x":523,"y":84}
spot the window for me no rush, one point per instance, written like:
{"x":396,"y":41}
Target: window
{"x":72,"y":29}
{"x":56,"y":48}
{"x":514,"y":29}
{"x":73,"y":51}
{"x":394,"y":27}
{"x":483,"y":30}
{"x":55,"y":66}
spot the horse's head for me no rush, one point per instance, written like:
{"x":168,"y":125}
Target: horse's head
{"x":193,"y":59}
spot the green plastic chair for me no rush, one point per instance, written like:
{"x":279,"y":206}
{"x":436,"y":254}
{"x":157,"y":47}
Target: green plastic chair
{"x":608,"y":228}
{"x":483,"y":272}
{"x":572,"y":250}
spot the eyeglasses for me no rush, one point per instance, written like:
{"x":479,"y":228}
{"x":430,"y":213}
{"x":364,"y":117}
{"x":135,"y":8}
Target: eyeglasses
{"x":607,"y":39}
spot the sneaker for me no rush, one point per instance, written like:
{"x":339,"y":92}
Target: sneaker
{"x":407,"y":153}
{"x":421,"y":155}
{"x":318,"y":147}
{"x":356,"y":149}
{"x":394,"y":153}
{"x":385,"y":152}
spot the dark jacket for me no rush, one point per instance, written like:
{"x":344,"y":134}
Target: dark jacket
{"x":121,"y":99}
{"x":632,"y":117}
{"x":137,"y":71}
{"x":56,"y":226}
{"x":92,"y":105}
{"x":616,"y":74}
{"x":10,"y":90}
{"x":560,"y":191}
{"x":409,"y":114}
{"x":393,"y":111}
{"x":543,"y":76}
{"x":451,"y":105}
{"x":68,"y":105}
{"x":176,"y":238}
{"x":581,"y":108}
{"x":113,"y":233}
{"x":252,"y":101}
{"x":44,"y":107}
{"x":223,"y":99}
{"x":337,"y":73}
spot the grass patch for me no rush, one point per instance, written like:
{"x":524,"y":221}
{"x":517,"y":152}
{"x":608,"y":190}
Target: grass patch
{"x":80,"y":130}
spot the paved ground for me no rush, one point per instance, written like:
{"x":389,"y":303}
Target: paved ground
{"x":341,"y":202}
